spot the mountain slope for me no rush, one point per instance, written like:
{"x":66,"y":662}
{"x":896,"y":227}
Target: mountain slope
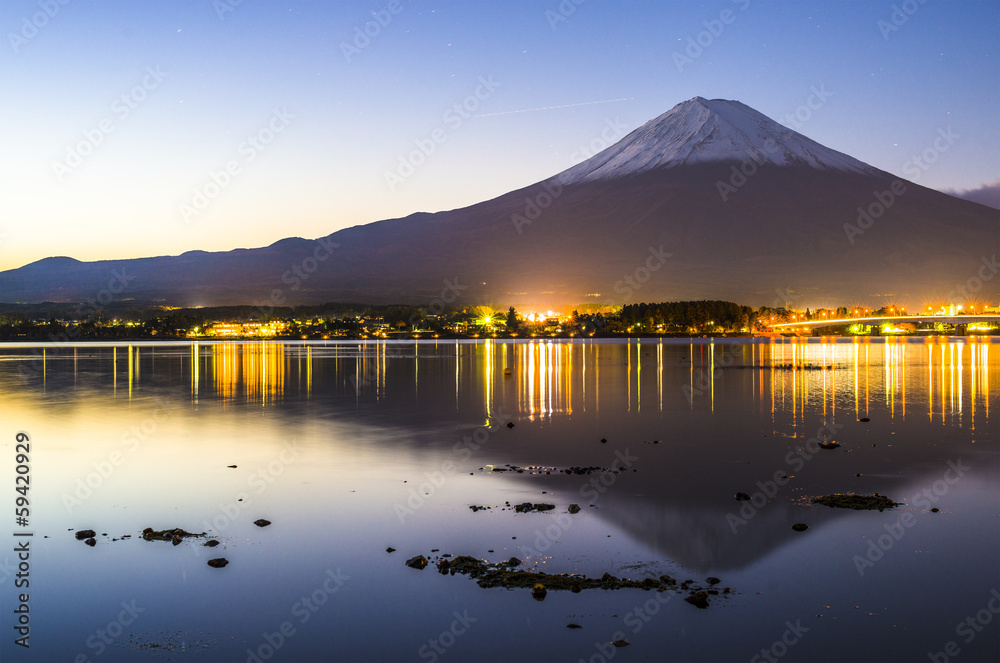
{"x":665,"y":214}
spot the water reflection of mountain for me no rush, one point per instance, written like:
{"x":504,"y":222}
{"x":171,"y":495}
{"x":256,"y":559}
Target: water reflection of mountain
{"x":701,"y":536}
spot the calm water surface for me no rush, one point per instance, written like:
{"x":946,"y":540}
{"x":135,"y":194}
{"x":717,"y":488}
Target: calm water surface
{"x":351,"y":448}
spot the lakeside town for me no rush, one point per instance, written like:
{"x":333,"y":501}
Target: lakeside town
{"x":62,"y":323}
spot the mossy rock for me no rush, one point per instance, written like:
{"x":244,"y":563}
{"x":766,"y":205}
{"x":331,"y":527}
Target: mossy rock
{"x":856,"y":502}
{"x":149,"y":534}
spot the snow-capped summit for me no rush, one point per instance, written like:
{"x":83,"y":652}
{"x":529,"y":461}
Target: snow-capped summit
{"x":701,"y":131}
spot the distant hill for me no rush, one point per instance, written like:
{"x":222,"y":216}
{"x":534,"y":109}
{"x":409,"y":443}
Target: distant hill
{"x":711,"y":200}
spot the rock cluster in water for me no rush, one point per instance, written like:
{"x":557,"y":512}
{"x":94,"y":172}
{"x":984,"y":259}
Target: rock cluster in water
{"x":857,"y":502}
{"x":507,"y":574}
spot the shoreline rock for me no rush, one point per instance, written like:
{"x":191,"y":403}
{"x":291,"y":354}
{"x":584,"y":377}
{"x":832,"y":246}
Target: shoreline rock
{"x":856,"y":502}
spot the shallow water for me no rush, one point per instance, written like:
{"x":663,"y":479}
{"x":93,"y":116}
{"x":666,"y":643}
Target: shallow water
{"x":350,"y":448}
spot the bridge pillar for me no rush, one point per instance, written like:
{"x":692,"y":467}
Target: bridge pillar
{"x":960,"y":330}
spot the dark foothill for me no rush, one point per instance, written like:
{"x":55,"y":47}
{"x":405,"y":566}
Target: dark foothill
{"x":742,"y":497}
{"x":620,"y":643}
{"x":218,"y":563}
{"x":85,"y":534}
{"x":800,"y":527}
{"x":418,"y":562}
{"x":260,"y":522}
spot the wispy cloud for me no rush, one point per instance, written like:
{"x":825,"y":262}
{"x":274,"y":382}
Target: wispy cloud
{"x":987,"y":194}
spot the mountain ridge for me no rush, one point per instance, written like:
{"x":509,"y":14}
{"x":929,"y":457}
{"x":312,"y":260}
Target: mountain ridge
{"x":588,"y":230}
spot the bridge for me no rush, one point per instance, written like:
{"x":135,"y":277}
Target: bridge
{"x":961,"y":322}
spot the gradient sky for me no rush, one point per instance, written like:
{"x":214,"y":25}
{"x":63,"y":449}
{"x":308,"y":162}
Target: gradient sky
{"x":330,"y":124}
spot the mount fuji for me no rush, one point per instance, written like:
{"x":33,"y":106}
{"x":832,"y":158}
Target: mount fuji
{"x":711,"y":200}
{"x":700,"y":131}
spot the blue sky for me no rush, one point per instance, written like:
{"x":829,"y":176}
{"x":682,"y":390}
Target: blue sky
{"x":151,"y":128}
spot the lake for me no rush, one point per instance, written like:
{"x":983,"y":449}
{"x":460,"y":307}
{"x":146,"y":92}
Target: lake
{"x":352,"y":448}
